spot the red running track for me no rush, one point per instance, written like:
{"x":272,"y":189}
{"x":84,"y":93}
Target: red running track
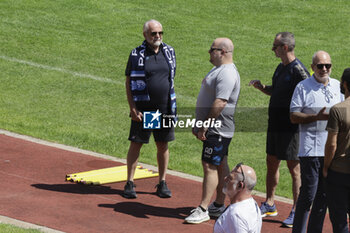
{"x":33,"y":189}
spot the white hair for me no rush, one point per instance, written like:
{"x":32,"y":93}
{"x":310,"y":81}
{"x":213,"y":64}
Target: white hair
{"x":146,"y":25}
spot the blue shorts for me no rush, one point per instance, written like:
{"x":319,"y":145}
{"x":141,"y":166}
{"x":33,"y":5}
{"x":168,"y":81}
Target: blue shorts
{"x":215,"y":148}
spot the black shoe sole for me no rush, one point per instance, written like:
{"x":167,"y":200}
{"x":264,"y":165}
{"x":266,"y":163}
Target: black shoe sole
{"x":163,"y":195}
{"x":129,"y":196}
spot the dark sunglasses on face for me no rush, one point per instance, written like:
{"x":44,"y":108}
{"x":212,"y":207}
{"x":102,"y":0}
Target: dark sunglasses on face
{"x":213,"y":49}
{"x":320,"y":66}
{"x":155,"y":33}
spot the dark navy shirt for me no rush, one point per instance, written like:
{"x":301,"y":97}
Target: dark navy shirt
{"x":284,"y":81}
{"x":157,"y":78}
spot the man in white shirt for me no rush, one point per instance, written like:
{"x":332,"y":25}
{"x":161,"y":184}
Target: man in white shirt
{"x":243,"y":215}
{"x":311,"y":101}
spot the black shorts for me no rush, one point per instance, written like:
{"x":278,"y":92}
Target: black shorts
{"x":215,"y":148}
{"x":139,"y":134}
{"x":283,"y":145}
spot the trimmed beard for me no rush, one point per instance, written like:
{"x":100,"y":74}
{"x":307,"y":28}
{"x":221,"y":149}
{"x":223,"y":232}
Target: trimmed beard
{"x":158,"y":43}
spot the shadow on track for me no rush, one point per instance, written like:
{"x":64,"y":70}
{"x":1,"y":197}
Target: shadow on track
{"x":81,"y":189}
{"x":141,"y":210}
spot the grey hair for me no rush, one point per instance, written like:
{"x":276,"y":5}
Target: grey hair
{"x":287,"y":38}
{"x":250,"y":183}
{"x":146,"y":25}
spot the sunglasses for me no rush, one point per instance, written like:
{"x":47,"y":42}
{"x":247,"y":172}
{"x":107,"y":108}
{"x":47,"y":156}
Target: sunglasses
{"x":155,"y":33}
{"x":239,"y":165}
{"x":213,"y":49}
{"x":320,"y":66}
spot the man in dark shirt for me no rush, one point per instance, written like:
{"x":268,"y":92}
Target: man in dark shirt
{"x":157,"y":79}
{"x":282,"y":136}
{"x":150,"y":87}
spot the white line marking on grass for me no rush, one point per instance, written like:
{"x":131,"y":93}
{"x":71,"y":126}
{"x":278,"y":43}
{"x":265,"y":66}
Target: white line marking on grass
{"x":46,"y":67}
{"x":77,"y":74}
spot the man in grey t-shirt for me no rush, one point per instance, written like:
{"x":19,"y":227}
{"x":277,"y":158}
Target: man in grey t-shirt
{"x":216,"y":101}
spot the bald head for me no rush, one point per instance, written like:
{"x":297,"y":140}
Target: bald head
{"x":221,"y":51}
{"x":250,"y":177}
{"x":225,"y":44}
{"x":322,"y":66}
{"x":239,"y":183}
{"x":320,"y":56}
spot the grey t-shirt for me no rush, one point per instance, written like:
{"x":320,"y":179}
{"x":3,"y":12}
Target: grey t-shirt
{"x":222,"y":82}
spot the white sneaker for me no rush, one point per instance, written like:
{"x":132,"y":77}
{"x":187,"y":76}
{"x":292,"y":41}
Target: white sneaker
{"x":197,"y":216}
{"x":215,"y":211}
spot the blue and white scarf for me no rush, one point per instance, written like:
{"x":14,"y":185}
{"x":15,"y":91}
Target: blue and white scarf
{"x":138,"y":83}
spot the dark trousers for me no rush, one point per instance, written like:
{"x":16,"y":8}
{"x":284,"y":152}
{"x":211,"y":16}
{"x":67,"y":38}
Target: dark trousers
{"x":311,"y":194}
{"x":338,"y":198}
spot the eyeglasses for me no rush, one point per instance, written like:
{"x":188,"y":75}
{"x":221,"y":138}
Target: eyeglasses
{"x":320,"y":66}
{"x":239,"y":165}
{"x":155,"y":33}
{"x":275,"y":46}
{"x":213,"y":49}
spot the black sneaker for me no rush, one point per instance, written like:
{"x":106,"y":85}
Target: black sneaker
{"x":129,"y":191}
{"x":162,"y":190}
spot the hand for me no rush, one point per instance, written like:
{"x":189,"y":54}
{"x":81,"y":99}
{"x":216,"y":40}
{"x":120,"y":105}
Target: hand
{"x":325,"y":172}
{"x":257,"y":84}
{"x":322,"y":115}
{"x":136,"y":115}
{"x":201,"y":134}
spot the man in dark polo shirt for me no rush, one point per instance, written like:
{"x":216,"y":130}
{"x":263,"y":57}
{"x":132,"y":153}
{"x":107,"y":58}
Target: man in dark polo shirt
{"x":282,"y":136}
{"x":149,"y":83}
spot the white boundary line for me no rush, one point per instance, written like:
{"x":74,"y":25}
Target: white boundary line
{"x":77,"y":74}
{"x":46,"y":67}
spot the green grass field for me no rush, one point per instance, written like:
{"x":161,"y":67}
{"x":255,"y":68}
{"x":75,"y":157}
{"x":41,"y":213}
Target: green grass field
{"x":62,"y":67}
{"x":7,"y":228}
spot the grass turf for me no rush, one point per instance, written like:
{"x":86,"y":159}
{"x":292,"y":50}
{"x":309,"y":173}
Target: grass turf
{"x":62,"y":67}
{"x":7,"y":228}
